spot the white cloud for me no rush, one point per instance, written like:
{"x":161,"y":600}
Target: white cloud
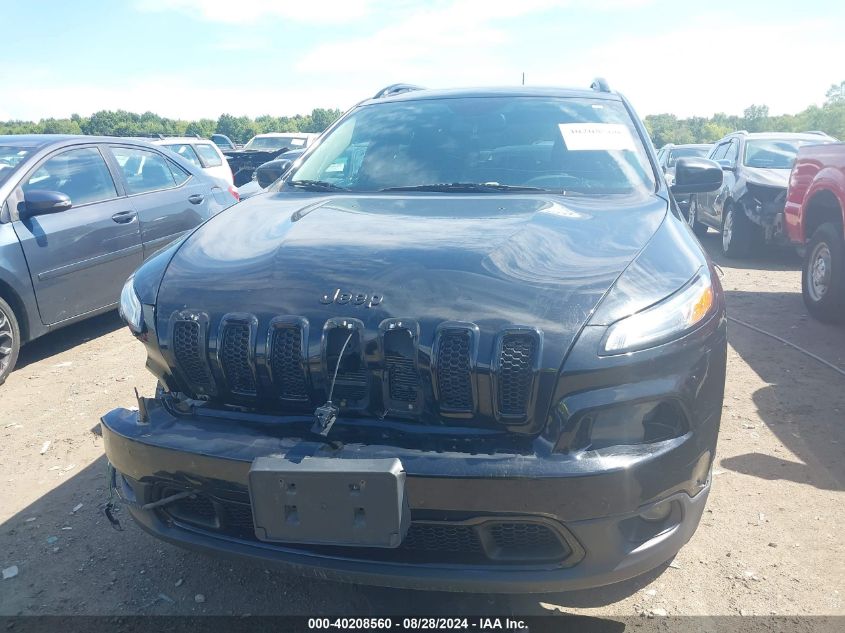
{"x":719,"y":64}
{"x":248,"y":11}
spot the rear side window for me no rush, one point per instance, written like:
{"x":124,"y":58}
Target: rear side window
{"x":208,"y":154}
{"x":179,"y":174}
{"x":81,"y":174}
{"x":144,"y":170}
{"x":185,"y":151}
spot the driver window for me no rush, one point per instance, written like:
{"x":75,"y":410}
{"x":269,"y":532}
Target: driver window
{"x":732,"y":152}
{"x":80,"y":174}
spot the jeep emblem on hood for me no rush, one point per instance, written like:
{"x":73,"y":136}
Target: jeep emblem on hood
{"x":351,"y":298}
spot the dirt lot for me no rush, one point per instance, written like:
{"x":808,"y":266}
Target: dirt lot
{"x":770,"y":541}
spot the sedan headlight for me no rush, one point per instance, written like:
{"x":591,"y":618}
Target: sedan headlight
{"x":663,"y":321}
{"x":130,"y":306}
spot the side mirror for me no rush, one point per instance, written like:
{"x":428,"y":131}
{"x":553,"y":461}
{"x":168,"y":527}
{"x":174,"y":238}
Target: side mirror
{"x":268,"y":173}
{"x":40,"y":202}
{"x":696,"y":175}
{"x":727,"y":165}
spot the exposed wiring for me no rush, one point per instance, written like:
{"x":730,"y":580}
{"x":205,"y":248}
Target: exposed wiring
{"x":838,"y":370}
{"x":337,"y":366}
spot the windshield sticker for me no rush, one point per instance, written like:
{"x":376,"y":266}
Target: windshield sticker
{"x":297,"y":141}
{"x":596,"y":136}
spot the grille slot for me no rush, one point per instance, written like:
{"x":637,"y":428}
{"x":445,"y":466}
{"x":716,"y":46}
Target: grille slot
{"x":235,"y":358}
{"x":399,"y":358}
{"x":516,"y":373}
{"x":189,"y":350}
{"x":352,"y":376}
{"x":286,"y":363}
{"x":454,"y":371}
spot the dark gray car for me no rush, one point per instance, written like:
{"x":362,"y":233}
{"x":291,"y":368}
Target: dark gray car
{"x":78,"y":214}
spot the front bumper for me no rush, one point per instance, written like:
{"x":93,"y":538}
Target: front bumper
{"x":592,"y":499}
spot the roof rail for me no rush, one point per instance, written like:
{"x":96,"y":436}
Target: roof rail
{"x":395,"y":89}
{"x":817,"y":133}
{"x":740,"y":132}
{"x":600,"y":85}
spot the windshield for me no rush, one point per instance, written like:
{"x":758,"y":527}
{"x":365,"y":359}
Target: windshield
{"x":556,"y":144}
{"x":10,"y":157}
{"x":772,"y":153}
{"x":683,"y":152}
{"x":276,"y":142}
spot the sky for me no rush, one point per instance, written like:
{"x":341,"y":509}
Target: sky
{"x":200,"y":58}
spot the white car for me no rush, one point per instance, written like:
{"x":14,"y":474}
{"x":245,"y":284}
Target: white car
{"x":201,"y":152}
{"x":280,"y":140}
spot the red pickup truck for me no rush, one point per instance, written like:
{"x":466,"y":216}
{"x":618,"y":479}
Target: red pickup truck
{"x":815,"y":216}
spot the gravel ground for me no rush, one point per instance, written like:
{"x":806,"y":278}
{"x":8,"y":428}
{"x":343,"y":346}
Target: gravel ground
{"x":770,"y":542}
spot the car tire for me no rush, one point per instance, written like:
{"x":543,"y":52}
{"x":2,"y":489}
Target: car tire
{"x":697,"y":227}
{"x":10,"y":340}
{"x":823,"y":274}
{"x":737,"y":233}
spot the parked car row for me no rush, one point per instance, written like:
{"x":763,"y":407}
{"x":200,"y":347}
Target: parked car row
{"x":78,"y":214}
{"x":261,"y":149}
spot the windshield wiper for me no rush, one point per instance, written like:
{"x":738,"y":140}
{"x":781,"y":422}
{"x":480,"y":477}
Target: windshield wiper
{"x":316,"y":185}
{"x":470,"y":187}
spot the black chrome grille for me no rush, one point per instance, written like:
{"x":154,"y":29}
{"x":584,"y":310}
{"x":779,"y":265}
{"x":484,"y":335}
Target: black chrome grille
{"x":235,"y":358}
{"x":189,"y":350}
{"x":286,"y":363}
{"x":516,"y":373}
{"x":454,"y":371}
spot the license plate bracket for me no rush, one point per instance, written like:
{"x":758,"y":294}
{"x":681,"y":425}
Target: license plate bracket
{"x":329,"y":501}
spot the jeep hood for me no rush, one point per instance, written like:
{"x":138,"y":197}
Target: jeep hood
{"x":490,"y":260}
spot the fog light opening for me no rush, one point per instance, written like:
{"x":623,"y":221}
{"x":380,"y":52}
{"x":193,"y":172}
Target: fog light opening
{"x":657,"y":513}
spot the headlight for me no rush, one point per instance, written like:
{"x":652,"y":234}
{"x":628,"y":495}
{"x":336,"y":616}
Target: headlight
{"x":130,"y":306}
{"x":668,"y":319}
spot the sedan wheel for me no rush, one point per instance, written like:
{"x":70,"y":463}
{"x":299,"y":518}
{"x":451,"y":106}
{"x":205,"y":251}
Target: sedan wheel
{"x":728,"y":229}
{"x":697,"y":227}
{"x":10,"y":340}
{"x":737,"y":232}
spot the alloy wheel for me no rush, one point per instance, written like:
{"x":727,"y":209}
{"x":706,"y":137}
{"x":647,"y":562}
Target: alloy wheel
{"x":819,"y":271}
{"x":727,"y":229}
{"x":7,"y":341}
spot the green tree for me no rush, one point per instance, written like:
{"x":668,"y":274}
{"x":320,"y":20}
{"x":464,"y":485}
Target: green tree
{"x":836,"y":93}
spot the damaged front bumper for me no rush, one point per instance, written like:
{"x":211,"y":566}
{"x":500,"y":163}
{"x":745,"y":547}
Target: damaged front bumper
{"x":764,"y":207}
{"x":527,"y":521}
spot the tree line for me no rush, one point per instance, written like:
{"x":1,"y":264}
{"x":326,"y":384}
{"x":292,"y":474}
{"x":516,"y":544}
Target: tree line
{"x":829,"y":118}
{"x":663,"y":128}
{"x":122,"y":123}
